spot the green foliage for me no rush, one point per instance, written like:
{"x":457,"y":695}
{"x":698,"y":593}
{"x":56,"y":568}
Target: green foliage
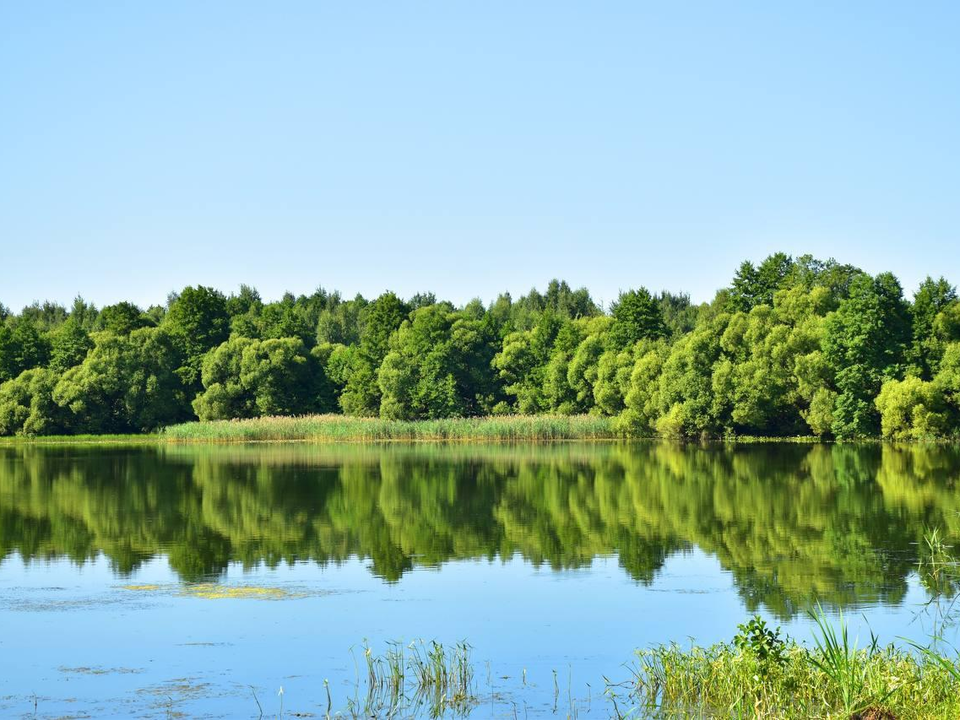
{"x":912,"y":409}
{"x":69,"y":345}
{"x":378,"y":321}
{"x":754,"y":286}
{"x":686,"y":395}
{"x":865,"y":343}
{"x":794,"y":346}
{"x":819,"y":415}
{"x":340,"y":323}
{"x":250,"y":378}
{"x":197,"y":321}
{"x":636,"y":316}
{"x":833,"y":679}
{"x":122,"y":319}
{"x":583,"y":367}
{"x":642,"y":399}
{"x":765,"y":645}
{"x":614,"y":370}
{"x":22,"y":347}
{"x":522,"y":363}
{"x":27,"y":406}
{"x":679,"y":314}
{"x":417,"y":375}
{"x":931,"y":300}
{"x":846,"y":668}
{"x":125,"y":384}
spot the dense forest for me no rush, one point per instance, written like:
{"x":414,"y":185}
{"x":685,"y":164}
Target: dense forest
{"x":794,"y":346}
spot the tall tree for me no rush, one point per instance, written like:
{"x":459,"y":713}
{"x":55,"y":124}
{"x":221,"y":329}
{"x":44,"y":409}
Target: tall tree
{"x":636,"y":316}
{"x":198,"y":321}
{"x":865,"y":343}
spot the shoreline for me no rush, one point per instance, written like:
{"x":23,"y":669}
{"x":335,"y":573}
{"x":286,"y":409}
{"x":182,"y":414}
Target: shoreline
{"x":332,"y":429}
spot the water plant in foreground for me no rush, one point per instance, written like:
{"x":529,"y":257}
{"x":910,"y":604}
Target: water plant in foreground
{"x":415,"y":679}
{"x":760,"y":674}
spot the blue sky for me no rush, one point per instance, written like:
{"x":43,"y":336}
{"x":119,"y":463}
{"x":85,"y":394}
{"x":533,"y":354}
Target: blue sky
{"x":470,"y":148}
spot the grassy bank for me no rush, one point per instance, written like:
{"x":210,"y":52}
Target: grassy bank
{"x":761,"y":675}
{"x":339,"y":428}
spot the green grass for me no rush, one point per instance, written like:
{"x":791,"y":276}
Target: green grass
{"x":833,"y":678}
{"x":339,"y":428}
{"x":141,"y":439}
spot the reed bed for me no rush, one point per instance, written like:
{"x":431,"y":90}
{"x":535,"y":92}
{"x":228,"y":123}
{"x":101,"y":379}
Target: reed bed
{"x":339,"y":428}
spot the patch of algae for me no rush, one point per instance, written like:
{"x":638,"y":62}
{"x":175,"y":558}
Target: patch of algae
{"x":217,"y":591}
{"x":214,"y":591}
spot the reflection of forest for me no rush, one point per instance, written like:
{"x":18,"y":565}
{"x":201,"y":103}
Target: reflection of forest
{"x":791,"y":522}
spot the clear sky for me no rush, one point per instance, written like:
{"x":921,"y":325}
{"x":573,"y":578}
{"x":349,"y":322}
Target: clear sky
{"x":470,"y":148}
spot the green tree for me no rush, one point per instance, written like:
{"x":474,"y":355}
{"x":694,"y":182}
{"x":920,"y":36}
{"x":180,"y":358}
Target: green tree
{"x":378,"y":321}
{"x":642,"y":398}
{"x":687,"y":401}
{"x":244,"y":377}
{"x":427,"y":373}
{"x":197,"y":320}
{"x":584,"y":364}
{"x":69,"y":345}
{"x":912,"y":409}
{"x":636,"y":316}
{"x":224,"y":395}
{"x":125,"y":384}
{"x":522,"y":362}
{"x":22,"y":347}
{"x":865,"y":343}
{"x":122,"y":319}
{"x":932,"y":298}
{"x":27,"y":406}
{"x":754,"y":286}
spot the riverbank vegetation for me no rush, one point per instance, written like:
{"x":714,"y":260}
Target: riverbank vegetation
{"x":338,"y":428}
{"x":792,"y":347}
{"x":761,"y":674}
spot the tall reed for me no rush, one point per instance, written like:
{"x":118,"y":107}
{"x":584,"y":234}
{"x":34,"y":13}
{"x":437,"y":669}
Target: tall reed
{"x":340,"y":428}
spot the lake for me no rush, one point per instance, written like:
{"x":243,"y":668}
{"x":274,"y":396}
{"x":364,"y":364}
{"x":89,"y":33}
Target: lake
{"x":196,"y":581}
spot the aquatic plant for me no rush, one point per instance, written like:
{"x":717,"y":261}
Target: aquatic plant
{"x":831,"y":678}
{"x":409,"y":679}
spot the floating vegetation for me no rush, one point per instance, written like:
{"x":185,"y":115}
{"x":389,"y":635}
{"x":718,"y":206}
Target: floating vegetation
{"x":220,"y":591}
{"x":181,"y":689}
{"x":100,"y":670}
{"x":216,"y":591}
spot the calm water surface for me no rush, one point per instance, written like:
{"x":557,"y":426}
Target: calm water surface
{"x":183,"y":581}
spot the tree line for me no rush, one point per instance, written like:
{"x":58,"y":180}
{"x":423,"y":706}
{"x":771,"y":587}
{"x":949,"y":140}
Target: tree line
{"x":793,"y":346}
